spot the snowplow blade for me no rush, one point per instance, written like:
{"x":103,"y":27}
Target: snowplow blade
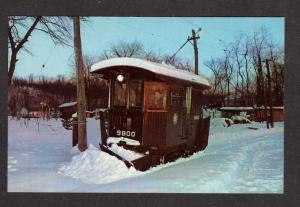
{"x":107,"y":150}
{"x":141,"y":164}
{"x":144,"y":163}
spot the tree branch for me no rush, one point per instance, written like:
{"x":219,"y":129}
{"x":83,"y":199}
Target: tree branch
{"x":11,"y":39}
{"x":19,"y":46}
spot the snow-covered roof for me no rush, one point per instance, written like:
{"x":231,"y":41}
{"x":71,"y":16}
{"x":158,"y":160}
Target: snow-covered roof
{"x":243,"y":108}
{"x":23,"y":111}
{"x":274,"y":107}
{"x":236,"y":108}
{"x":157,"y":68}
{"x":68,"y":104}
{"x":278,"y":107}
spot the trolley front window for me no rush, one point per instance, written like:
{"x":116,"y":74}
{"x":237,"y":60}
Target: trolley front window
{"x":135,"y":93}
{"x":120,"y":94}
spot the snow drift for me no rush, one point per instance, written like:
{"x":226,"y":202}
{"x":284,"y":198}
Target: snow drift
{"x":95,"y":166}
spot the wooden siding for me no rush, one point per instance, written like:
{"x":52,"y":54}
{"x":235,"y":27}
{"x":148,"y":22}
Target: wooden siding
{"x":155,"y":120}
{"x":259,"y":115}
{"x":155,"y":129}
{"x":118,"y":121}
{"x":176,"y":116}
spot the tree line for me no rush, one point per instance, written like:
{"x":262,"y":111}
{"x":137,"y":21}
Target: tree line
{"x":31,"y":92}
{"x":240,"y":76}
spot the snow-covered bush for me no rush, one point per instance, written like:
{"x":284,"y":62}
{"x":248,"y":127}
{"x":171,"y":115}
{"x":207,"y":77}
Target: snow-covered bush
{"x":240,"y":119}
{"x":221,"y":122}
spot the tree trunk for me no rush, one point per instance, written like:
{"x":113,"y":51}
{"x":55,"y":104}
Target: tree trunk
{"x":228,"y":91}
{"x":81,"y":100}
{"x":12,"y":66}
{"x":260,"y":83}
{"x":15,"y":48}
{"x":247,"y":81}
{"x":278,"y":98}
{"x":270,"y":97}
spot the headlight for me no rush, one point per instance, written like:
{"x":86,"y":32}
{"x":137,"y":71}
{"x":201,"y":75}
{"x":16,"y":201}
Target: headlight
{"x":120,"y":78}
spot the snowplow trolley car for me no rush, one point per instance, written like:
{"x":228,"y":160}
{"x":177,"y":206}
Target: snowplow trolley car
{"x":154,"y":111}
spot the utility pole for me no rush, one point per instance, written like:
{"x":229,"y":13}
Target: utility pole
{"x":265,"y":102}
{"x":81,"y":99}
{"x":270,"y":93}
{"x":194,"y":39}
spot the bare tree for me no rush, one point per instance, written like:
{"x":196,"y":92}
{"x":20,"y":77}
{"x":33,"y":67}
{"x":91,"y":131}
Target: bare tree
{"x":20,"y":28}
{"x":239,"y":87}
{"x":125,"y":49}
{"x":152,"y":56}
{"x":241,"y":70}
{"x":228,"y":67}
{"x":277,"y":62}
{"x":218,"y":79}
{"x":259,"y":44}
{"x":105,"y":55}
{"x":246,"y":62}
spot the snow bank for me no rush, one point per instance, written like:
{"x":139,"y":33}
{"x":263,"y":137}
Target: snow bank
{"x":226,"y":122}
{"x":214,"y":113}
{"x":240,"y":119}
{"x":221,"y":122}
{"x":74,"y":150}
{"x":97,"y":167}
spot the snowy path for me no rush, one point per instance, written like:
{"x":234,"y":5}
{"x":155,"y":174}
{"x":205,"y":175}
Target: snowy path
{"x":237,"y":159}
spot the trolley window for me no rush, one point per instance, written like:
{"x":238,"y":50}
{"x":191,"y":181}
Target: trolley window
{"x":135,"y":93}
{"x":157,"y":96}
{"x":120,"y":94}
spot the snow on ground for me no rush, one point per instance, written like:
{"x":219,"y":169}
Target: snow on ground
{"x":237,"y":119}
{"x":94,"y":166}
{"x":237,"y":159}
{"x":220,"y":122}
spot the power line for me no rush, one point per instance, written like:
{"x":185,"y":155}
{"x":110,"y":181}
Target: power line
{"x":211,"y":35}
{"x":190,"y":22}
{"x":188,"y":40}
{"x":203,"y":46}
{"x":179,"y":49}
{"x":126,"y":25}
{"x":45,"y":62}
{"x":153,"y":34}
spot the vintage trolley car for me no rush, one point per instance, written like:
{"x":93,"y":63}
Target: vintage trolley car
{"x":153,"y":109}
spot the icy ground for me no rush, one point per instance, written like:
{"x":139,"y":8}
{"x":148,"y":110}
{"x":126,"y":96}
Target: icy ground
{"x":237,"y":159}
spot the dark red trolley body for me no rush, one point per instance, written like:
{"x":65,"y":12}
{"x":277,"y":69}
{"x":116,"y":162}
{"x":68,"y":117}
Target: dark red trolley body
{"x":156,"y":107}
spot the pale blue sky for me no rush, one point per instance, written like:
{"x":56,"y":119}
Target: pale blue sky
{"x":160,"y":34}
